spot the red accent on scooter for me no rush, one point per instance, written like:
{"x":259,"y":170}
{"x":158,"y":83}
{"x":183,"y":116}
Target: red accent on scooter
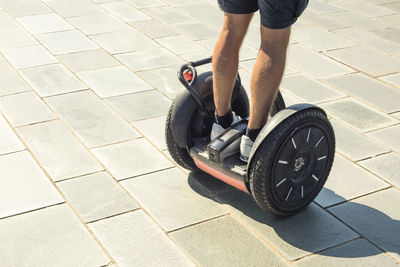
{"x":188,"y":75}
{"x":220,"y":175}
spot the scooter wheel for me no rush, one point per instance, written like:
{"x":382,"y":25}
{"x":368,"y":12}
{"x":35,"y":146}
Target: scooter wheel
{"x":292,"y":164}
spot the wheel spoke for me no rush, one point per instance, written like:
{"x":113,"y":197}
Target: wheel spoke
{"x":281,"y":182}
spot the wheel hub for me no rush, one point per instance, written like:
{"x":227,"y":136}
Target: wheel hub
{"x":298,"y":164}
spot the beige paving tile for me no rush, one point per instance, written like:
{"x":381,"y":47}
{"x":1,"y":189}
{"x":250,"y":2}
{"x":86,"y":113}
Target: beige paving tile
{"x":44,"y":23}
{"x":385,"y":166}
{"x":169,"y":15}
{"x":154,"y":28}
{"x":143,"y":158}
{"x":96,"y":196}
{"x":122,"y":42}
{"x":395,"y":6}
{"x":177,"y":3}
{"x":51,"y":80}
{"x":388,"y":136}
{"x":224,"y":242}
{"x":179,"y":44}
{"x":88,"y":60}
{"x":154,"y":130}
{"x":25,"y":108}
{"x":90,"y":119}
{"x":74,"y":8}
{"x":125,"y":11}
{"x":9,"y":142}
{"x":323,"y":7}
{"x":207,"y":13}
{"x":366,"y":9}
{"x":28,"y":56}
{"x":21,"y":8}
{"x":25,"y":186}
{"x":178,"y":211}
{"x":66,"y":42}
{"x":148,"y":3}
{"x":135,"y":230}
{"x":95,"y":24}
{"x":197,"y":31}
{"x":48,"y":237}
{"x":15,"y":38}
{"x":113,"y":81}
{"x":10,"y":81}
{"x":59,"y":153}
{"x":392,"y":34}
{"x":392,"y":78}
{"x":7,"y":22}
{"x":355,"y":20}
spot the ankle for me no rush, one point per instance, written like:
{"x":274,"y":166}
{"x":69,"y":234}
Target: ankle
{"x":226,"y":120}
{"x":252,"y":133}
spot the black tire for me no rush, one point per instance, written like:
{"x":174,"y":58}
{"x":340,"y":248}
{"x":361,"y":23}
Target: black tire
{"x":270,"y":178}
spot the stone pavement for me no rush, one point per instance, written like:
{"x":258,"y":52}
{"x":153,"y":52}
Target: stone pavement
{"x":86,"y":179}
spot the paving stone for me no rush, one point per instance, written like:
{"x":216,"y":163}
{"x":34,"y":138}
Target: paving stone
{"x":207,"y":13}
{"x":177,"y":3}
{"x":66,"y":42}
{"x":169,"y":15}
{"x":356,"y":253}
{"x":366,"y":9}
{"x":148,"y":3}
{"x":358,"y":115}
{"x":197,"y":31}
{"x":9,"y":142}
{"x":10,"y":81}
{"x":321,"y":6}
{"x":385,"y":166}
{"x":74,"y":8}
{"x":391,"y":21}
{"x":395,"y":6}
{"x":310,"y":90}
{"x":95,"y":24}
{"x":143,"y":158}
{"x":355,"y":20}
{"x":44,"y":23}
{"x":366,"y":60}
{"x":48,"y":237}
{"x":125,"y":11}
{"x":289,"y":99}
{"x":21,"y":8}
{"x":90,"y":119}
{"x":153,"y":28}
{"x":142,"y":105}
{"x":178,"y":211}
{"x":28,"y":56}
{"x":135,"y":230}
{"x":319,"y":39}
{"x":392,"y":34}
{"x":377,"y":217}
{"x":224,"y":242}
{"x":145,"y":60}
{"x":59,"y":153}
{"x":353,"y":144}
{"x":25,"y":108}
{"x":96,"y":196}
{"x":51,"y":80}
{"x":297,"y":236}
{"x":314,"y":18}
{"x":7,"y":22}
{"x":113,"y":81}
{"x":369,"y":90}
{"x":179,"y":44}
{"x":347,"y":181}
{"x":153,"y":129}
{"x":397,"y":115}
{"x":392,"y":78}
{"x":246,"y":51}
{"x":88,"y":60}
{"x":25,"y":186}
{"x":122,"y":42}
{"x":314,"y":63}
{"x":15,"y":38}
{"x":388,"y":136}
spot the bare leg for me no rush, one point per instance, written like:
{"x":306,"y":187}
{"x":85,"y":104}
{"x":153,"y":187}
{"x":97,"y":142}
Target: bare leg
{"x":267,"y":74}
{"x":226,"y":59}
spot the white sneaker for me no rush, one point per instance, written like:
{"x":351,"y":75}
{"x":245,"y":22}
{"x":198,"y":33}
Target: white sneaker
{"x":245,"y":147}
{"x":218,"y":129}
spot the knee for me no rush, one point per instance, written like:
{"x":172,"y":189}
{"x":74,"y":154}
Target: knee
{"x":271,"y":58}
{"x":231,"y":38}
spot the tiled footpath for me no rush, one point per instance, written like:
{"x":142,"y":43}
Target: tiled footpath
{"x":85,"y":177}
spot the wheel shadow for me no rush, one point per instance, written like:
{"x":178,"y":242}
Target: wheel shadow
{"x":313,"y":230}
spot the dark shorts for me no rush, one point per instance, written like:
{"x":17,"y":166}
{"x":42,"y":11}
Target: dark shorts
{"x":274,"y":14}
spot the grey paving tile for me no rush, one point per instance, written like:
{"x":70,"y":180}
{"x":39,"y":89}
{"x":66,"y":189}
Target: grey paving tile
{"x":179,"y":210}
{"x":169,"y":15}
{"x":366,"y":9}
{"x":96,"y":196}
{"x":88,"y":60}
{"x":148,"y":3}
{"x":9,"y":142}
{"x":366,"y":60}
{"x":207,"y":244}
{"x":356,"y":253}
{"x":314,"y":18}
{"x":142,"y":105}
{"x":153,"y":129}
{"x":135,"y":230}
{"x":376,"y":217}
{"x":48,"y":237}
{"x":288,"y":235}
{"x":113,"y":81}
{"x":314,"y":63}
{"x":369,"y":90}
{"x":353,"y":144}
{"x":74,"y":8}
{"x":25,"y":186}
{"x":125,"y":11}
{"x":51,"y":80}
{"x":44,"y":23}
{"x":197,"y":31}
{"x":347,"y":181}
{"x":145,"y":60}
{"x":177,"y":3}
{"x":15,"y":38}
{"x":310,"y":90}
{"x":25,"y":108}
{"x":355,"y":20}
{"x":388,"y":136}
{"x":28,"y":56}
{"x":289,"y":99}
{"x":153,"y":28}
{"x":179,"y":44}
{"x":143,"y":158}
{"x":59,"y":153}
{"x":322,"y":7}
{"x":392,"y":78}
{"x":207,"y":13}
{"x":10,"y":81}
{"x":91,"y":120}
{"x":122,"y":42}
{"x":392,"y":34}
{"x":358,"y":115}
{"x":66,"y":42}
{"x":385,"y":166}
{"x":21,"y":8}
{"x":95,"y":24}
